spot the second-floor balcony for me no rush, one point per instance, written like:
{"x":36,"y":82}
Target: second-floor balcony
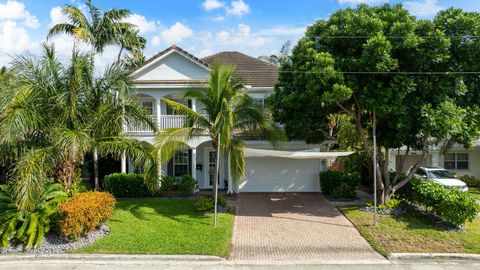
{"x":162,"y":122}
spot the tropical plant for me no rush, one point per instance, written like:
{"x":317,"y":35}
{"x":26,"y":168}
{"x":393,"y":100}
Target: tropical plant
{"x":229,"y":113}
{"x":49,"y":113}
{"x":28,"y":227}
{"x":84,"y":213}
{"x":101,"y":29}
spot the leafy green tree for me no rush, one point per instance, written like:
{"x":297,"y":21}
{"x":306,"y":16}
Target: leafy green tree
{"x":377,"y":63}
{"x":48,"y":114}
{"x":229,"y":115}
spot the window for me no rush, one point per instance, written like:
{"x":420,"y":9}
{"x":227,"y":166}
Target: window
{"x":180,"y":164}
{"x":456,"y":161}
{"x":148,"y":106}
{"x":170,"y":110}
{"x":259,"y":101}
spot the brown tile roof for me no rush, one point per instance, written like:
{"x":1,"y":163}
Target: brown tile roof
{"x":256,"y":73}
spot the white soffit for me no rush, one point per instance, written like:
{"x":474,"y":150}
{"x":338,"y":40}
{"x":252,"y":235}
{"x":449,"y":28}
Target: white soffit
{"x":250,"y":152}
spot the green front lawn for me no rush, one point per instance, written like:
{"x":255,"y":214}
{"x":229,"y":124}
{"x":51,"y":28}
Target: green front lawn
{"x":475,"y":192}
{"x":413,"y":233}
{"x":164,"y":226}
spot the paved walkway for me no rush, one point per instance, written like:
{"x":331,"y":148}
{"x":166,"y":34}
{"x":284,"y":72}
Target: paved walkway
{"x":295,"y":227}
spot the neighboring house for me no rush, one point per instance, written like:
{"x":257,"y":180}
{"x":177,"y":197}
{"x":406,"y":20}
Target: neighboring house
{"x":458,"y":159}
{"x":170,"y":73}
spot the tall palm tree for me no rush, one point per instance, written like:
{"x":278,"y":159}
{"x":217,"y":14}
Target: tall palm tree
{"x":100,"y":29}
{"x":229,"y":114}
{"x":48,"y":112}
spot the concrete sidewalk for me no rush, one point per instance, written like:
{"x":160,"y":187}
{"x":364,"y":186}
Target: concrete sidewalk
{"x":140,"y":262}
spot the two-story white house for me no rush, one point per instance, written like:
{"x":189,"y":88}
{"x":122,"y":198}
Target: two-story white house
{"x":172,"y":72}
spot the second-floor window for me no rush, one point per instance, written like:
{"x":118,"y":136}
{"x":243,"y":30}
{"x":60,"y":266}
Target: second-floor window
{"x":170,"y":110}
{"x":456,"y":161}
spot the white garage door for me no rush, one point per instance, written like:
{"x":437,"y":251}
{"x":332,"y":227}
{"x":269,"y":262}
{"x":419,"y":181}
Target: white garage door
{"x":270,"y":174}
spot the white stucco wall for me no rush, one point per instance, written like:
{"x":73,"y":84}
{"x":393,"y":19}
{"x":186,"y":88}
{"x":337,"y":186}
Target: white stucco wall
{"x":173,"y":67}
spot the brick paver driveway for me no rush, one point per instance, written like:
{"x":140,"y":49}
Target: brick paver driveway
{"x":295,"y":227}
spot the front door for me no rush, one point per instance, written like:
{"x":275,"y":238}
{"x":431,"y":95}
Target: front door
{"x":211,"y":167}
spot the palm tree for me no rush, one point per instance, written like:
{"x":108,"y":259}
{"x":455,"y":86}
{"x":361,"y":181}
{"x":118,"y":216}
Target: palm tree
{"x":48,"y":113}
{"x":100,"y":29}
{"x":229,"y":114}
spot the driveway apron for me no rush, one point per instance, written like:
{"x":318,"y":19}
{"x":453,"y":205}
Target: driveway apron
{"x":295,"y":227}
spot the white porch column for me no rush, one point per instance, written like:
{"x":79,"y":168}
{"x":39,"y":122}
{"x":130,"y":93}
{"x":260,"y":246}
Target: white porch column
{"x":435,"y":158}
{"x":194,"y":163}
{"x":194,"y":105}
{"x":124,"y":163}
{"x":158,"y":105}
{"x":229,"y":176}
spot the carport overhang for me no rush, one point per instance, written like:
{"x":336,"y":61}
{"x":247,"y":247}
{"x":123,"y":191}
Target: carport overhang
{"x":251,"y":152}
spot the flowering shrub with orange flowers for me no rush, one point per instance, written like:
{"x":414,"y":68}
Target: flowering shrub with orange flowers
{"x":84,"y":212}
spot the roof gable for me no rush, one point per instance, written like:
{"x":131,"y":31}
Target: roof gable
{"x":172,"y":64}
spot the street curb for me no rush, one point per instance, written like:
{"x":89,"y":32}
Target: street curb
{"x":110,"y":257}
{"x":433,"y":256}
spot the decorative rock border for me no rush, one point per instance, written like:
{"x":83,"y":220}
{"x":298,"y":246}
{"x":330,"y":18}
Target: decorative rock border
{"x":54,"y":244}
{"x":387,"y":212}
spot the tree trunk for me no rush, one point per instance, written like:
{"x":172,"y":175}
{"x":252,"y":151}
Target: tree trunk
{"x":95,"y":170}
{"x":120,"y":54}
{"x":66,"y":173}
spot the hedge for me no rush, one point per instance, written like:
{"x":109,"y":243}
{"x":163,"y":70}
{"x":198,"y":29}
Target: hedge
{"x":126,"y":185}
{"x":340,"y":184}
{"x":84,"y":212}
{"x":183,"y":185}
{"x":451,"y":205}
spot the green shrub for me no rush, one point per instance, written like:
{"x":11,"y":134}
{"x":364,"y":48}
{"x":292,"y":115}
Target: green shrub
{"x":186,"y":184}
{"x":183,"y":185}
{"x":84,"y":212}
{"x":471,"y":181}
{"x":222,"y":201}
{"x":168,"y":184}
{"x":205,"y":204}
{"x":28,"y":227}
{"x":126,"y":185}
{"x":392,"y":204}
{"x":451,"y":205}
{"x":340,"y":184}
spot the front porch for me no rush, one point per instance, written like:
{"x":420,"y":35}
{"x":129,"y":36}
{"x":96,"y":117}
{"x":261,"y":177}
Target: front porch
{"x":199,"y":161}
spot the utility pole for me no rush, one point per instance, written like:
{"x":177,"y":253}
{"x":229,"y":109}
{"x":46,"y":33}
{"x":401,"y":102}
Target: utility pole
{"x":217,"y":172}
{"x":374,"y":169}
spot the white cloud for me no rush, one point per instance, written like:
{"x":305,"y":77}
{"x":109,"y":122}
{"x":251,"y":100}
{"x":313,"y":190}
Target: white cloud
{"x":13,"y":38}
{"x":56,"y":16}
{"x":209,"y":5}
{"x":238,"y":8}
{"x":144,"y":25}
{"x":16,"y":11}
{"x":175,"y":34}
{"x":423,"y":8}
{"x":357,"y":2}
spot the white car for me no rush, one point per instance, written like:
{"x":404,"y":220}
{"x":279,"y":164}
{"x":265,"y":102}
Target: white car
{"x":441,"y":176}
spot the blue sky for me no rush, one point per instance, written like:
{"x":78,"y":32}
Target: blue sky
{"x":255,"y":27}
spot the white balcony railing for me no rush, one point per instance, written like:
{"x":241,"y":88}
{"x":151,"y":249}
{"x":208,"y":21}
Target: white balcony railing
{"x":171,"y":121}
{"x":165,"y":122}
